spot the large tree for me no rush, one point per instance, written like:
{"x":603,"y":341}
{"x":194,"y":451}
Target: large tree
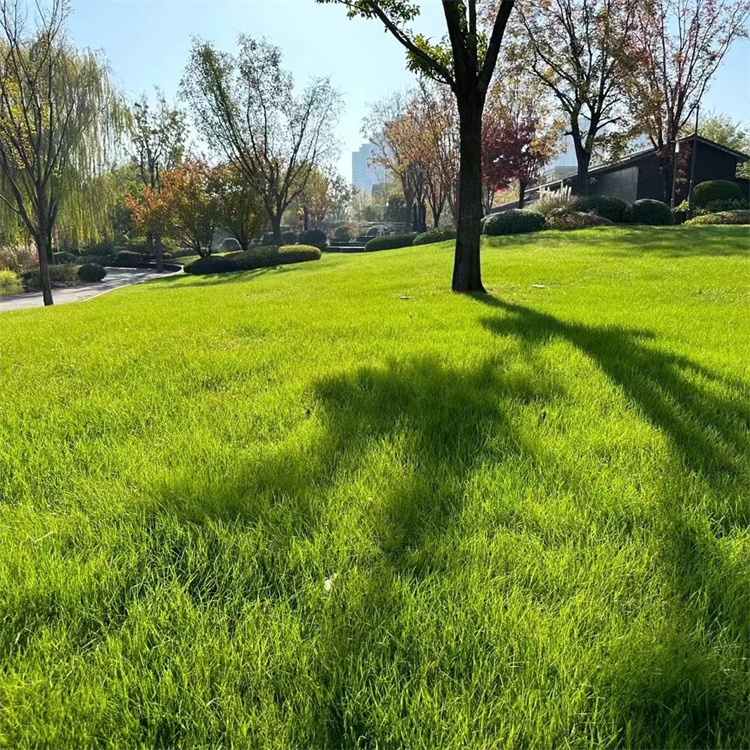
{"x":678,"y":46}
{"x":157,"y":136}
{"x":245,"y":105}
{"x":57,"y":117}
{"x":465,"y":62}
{"x":575,"y":48}
{"x":731,"y":133}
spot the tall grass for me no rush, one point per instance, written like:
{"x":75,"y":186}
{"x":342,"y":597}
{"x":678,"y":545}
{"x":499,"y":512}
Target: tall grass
{"x":335,"y":505}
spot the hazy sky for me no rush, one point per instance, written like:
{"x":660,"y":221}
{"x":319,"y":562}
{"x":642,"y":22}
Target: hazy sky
{"x":147,"y":43}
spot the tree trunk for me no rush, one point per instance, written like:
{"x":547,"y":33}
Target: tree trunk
{"x":158,"y":253}
{"x":422,"y":223}
{"x":42,"y":248}
{"x":276,"y":229}
{"x":467,"y":274}
{"x":583,"y":159}
{"x":521,"y":194}
{"x":305,"y":219}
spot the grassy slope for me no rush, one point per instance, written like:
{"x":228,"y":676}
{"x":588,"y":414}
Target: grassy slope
{"x":535,"y":503}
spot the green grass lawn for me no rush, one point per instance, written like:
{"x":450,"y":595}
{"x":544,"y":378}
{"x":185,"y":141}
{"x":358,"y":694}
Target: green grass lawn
{"x":531,"y":507}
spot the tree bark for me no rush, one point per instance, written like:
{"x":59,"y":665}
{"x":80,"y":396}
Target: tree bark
{"x":276,"y":229}
{"x":583,"y":159}
{"x":42,"y":248}
{"x":158,"y":252}
{"x":305,"y":218}
{"x":467,"y":275}
{"x":521,"y":194}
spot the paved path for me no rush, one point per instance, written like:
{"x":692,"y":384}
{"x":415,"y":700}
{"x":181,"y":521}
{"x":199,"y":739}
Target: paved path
{"x":115,"y":278}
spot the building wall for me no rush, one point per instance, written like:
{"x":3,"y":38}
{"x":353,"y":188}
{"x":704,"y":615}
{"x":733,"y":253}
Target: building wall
{"x":620,"y":183}
{"x":364,"y":174}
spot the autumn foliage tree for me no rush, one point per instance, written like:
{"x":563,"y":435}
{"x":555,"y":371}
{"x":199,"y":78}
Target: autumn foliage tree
{"x":520,"y":134}
{"x":676,"y":49}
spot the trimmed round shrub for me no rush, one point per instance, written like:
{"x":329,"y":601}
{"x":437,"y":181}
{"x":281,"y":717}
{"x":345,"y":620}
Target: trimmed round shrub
{"x":267,"y":256}
{"x":64,"y":258}
{"x":128,"y":259}
{"x":650,"y":212}
{"x":211,"y":264}
{"x":606,"y":206}
{"x":10,"y":283}
{"x":722,"y":217}
{"x":716,"y":190}
{"x":314,"y":237}
{"x":438,"y":234}
{"x":733,"y":205}
{"x":91,"y":272}
{"x":390,"y":242}
{"x":512,"y":221}
{"x":342,"y":234}
{"x":288,"y":238}
{"x":565,"y":219}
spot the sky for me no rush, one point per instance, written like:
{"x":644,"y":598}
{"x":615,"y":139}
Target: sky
{"x":147,"y":44}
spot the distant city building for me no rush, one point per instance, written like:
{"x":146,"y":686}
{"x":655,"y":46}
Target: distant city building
{"x":364,"y":174}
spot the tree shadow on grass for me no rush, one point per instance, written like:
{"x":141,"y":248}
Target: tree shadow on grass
{"x":704,"y":415}
{"x":684,"y":242}
{"x":666,"y":684}
{"x":219,"y":278}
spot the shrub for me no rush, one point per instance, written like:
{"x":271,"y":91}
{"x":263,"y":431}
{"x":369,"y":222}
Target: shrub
{"x":390,"y":242}
{"x":64,"y":258}
{"x":650,"y":212}
{"x":565,"y":219}
{"x":266,"y":256}
{"x":342,"y":234}
{"x":438,"y":234}
{"x":20,"y":258}
{"x":290,"y":238}
{"x":128,"y":259}
{"x":512,"y":221}
{"x":10,"y":283}
{"x":212,"y":264}
{"x":714,"y":207}
{"x":680,"y":213}
{"x":90,"y":272}
{"x":552,"y":200}
{"x":606,"y":206}
{"x":716,"y":190}
{"x":59,"y":276}
{"x":313,"y":237}
{"x":722,"y":217}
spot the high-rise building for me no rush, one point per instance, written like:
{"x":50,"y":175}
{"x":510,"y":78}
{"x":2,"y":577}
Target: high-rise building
{"x":364,"y":174}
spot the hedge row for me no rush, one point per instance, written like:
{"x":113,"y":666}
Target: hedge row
{"x":390,"y":242}
{"x":722,"y":217}
{"x":264,"y":256}
{"x":438,"y":234}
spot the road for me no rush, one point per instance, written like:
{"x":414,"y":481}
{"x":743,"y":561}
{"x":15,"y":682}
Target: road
{"x":115,"y":278}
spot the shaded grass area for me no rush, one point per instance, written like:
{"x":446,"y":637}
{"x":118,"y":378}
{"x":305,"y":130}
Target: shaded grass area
{"x":531,"y":507}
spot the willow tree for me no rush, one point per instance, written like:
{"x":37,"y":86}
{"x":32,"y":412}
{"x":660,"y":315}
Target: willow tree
{"x":245,"y":105}
{"x":466,"y":63}
{"x":56,"y":120}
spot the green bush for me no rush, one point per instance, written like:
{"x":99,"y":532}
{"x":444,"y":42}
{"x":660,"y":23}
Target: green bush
{"x":212,"y":264}
{"x":313,"y":237}
{"x":64,"y":258}
{"x":714,"y":207}
{"x":268,"y":256}
{"x":680,"y":213}
{"x":10,"y":283}
{"x":722,"y":217}
{"x":438,"y":234}
{"x":59,"y":276}
{"x":390,"y":242}
{"x":129,"y":259}
{"x":289,"y":238}
{"x":716,"y":190}
{"x":565,"y":219}
{"x":512,"y":221}
{"x":90,"y":272}
{"x":650,"y":212}
{"x":606,"y":206}
{"x":342,"y":234}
